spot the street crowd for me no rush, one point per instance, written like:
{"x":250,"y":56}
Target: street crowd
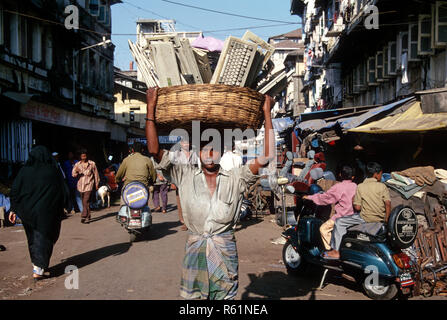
{"x":209,"y":193}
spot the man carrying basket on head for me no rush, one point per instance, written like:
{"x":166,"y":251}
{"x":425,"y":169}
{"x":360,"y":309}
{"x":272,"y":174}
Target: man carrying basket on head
{"x":211,"y":199}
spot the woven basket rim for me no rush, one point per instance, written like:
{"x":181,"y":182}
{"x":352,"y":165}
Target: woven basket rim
{"x":209,"y":85}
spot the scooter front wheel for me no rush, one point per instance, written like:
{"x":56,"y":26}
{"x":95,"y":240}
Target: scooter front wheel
{"x":132,"y":237}
{"x":293,"y":261}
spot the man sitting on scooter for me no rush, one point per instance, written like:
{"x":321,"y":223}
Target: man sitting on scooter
{"x":342,"y":195}
{"x":371,"y":200}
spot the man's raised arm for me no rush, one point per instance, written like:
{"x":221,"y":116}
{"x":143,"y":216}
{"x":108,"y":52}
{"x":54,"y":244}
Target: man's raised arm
{"x":151,"y":130}
{"x":269,"y":138}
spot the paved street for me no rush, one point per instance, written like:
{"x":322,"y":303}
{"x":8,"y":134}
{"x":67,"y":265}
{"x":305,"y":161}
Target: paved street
{"x":110,"y":268}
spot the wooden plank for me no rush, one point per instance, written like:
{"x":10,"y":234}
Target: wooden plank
{"x":164,"y":57}
{"x":434,"y":102}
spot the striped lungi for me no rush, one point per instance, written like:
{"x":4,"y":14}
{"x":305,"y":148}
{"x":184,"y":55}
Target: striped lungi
{"x":210,"y":267}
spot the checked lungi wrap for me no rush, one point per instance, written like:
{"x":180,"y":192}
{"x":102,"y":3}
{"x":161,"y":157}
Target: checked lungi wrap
{"x":210,"y":267}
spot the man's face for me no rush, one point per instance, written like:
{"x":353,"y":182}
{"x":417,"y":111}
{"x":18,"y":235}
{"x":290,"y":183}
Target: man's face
{"x":378,"y":176}
{"x":209,"y":158}
{"x":83,"y":157}
{"x":70,"y":156}
{"x":184,"y":145}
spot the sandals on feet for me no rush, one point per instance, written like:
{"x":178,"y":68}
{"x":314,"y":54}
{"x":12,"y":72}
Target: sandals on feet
{"x":325,"y":256}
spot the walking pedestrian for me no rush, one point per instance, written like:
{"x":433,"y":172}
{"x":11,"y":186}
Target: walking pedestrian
{"x":37,"y":197}
{"x":75,"y":196}
{"x":183,"y":156}
{"x":211,"y":198}
{"x":88,"y":182}
{"x":161,"y":188}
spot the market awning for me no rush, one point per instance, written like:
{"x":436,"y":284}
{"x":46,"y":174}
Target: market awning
{"x":412,"y":120}
{"x":354,"y":122}
{"x":282,"y":124}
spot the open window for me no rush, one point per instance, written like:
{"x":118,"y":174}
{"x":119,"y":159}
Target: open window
{"x":102,"y":13}
{"x":392,"y":58}
{"x":425,"y":35}
{"x":413,"y":32}
{"x":93,"y":7}
{"x":440,"y":24}
{"x":372,"y":71}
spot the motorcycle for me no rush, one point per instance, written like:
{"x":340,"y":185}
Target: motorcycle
{"x":370,"y":254}
{"x":135,"y":215}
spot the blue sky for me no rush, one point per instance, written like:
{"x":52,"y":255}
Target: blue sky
{"x":125,"y":15}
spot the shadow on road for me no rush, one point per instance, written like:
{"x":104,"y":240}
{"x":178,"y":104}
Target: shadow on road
{"x":246,"y":223}
{"x":87,"y":258}
{"x":275,"y":285}
{"x":105,"y":216}
{"x":160,"y":230}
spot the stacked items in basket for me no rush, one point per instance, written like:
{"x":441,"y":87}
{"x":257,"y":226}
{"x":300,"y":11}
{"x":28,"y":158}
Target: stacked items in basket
{"x":222,"y":96}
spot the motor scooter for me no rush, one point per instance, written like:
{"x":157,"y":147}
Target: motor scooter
{"x":135,"y":215}
{"x":370,"y":253}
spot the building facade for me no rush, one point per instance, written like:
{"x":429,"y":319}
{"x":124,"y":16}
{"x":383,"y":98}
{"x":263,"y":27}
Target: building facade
{"x":370,"y":52}
{"x":56,"y":83}
{"x":288,"y":74}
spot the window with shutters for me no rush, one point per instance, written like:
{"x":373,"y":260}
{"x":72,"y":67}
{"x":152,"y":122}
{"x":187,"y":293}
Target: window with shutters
{"x":425,"y":35}
{"x":392,"y":58}
{"x":413,"y":31}
{"x":385,"y":62}
{"x":379,"y":66}
{"x":372,"y":71}
{"x":440,"y":25}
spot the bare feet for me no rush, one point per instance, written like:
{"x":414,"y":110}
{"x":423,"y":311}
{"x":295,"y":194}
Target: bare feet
{"x":184,"y":228}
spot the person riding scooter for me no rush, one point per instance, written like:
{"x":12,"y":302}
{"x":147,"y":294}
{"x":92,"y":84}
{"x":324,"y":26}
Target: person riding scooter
{"x":371,"y":202}
{"x":138,"y":173}
{"x":341,"y":194}
{"x":136,"y":167}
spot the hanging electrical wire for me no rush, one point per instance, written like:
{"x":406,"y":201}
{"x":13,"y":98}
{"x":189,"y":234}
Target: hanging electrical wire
{"x":227,"y":13}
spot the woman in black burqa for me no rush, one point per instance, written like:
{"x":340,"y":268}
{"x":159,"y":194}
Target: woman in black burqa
{"x":38,"y":197}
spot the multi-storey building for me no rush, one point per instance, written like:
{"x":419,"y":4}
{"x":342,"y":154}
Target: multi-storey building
{"x":370,"y":52}
{"x":56,"y":77}
{"x":288,"y":66}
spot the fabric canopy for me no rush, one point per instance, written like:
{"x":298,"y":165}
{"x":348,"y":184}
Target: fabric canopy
{"x":354,"y":122}
{"x":412,"y":120}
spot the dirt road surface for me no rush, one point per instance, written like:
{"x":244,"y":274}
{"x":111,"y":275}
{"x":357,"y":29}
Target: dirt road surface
{"x":111,"y":268}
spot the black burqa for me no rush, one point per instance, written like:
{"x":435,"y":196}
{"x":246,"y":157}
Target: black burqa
{"x":37,"y":197}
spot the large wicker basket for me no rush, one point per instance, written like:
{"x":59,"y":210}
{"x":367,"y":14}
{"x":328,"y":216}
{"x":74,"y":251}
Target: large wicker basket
{"x":215,"y":106}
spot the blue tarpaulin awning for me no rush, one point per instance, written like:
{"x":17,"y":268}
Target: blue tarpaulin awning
{"x":349,"y":122}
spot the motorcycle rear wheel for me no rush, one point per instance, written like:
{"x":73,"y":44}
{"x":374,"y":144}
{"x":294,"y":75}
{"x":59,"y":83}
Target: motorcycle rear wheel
{"x":384,"y":291}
